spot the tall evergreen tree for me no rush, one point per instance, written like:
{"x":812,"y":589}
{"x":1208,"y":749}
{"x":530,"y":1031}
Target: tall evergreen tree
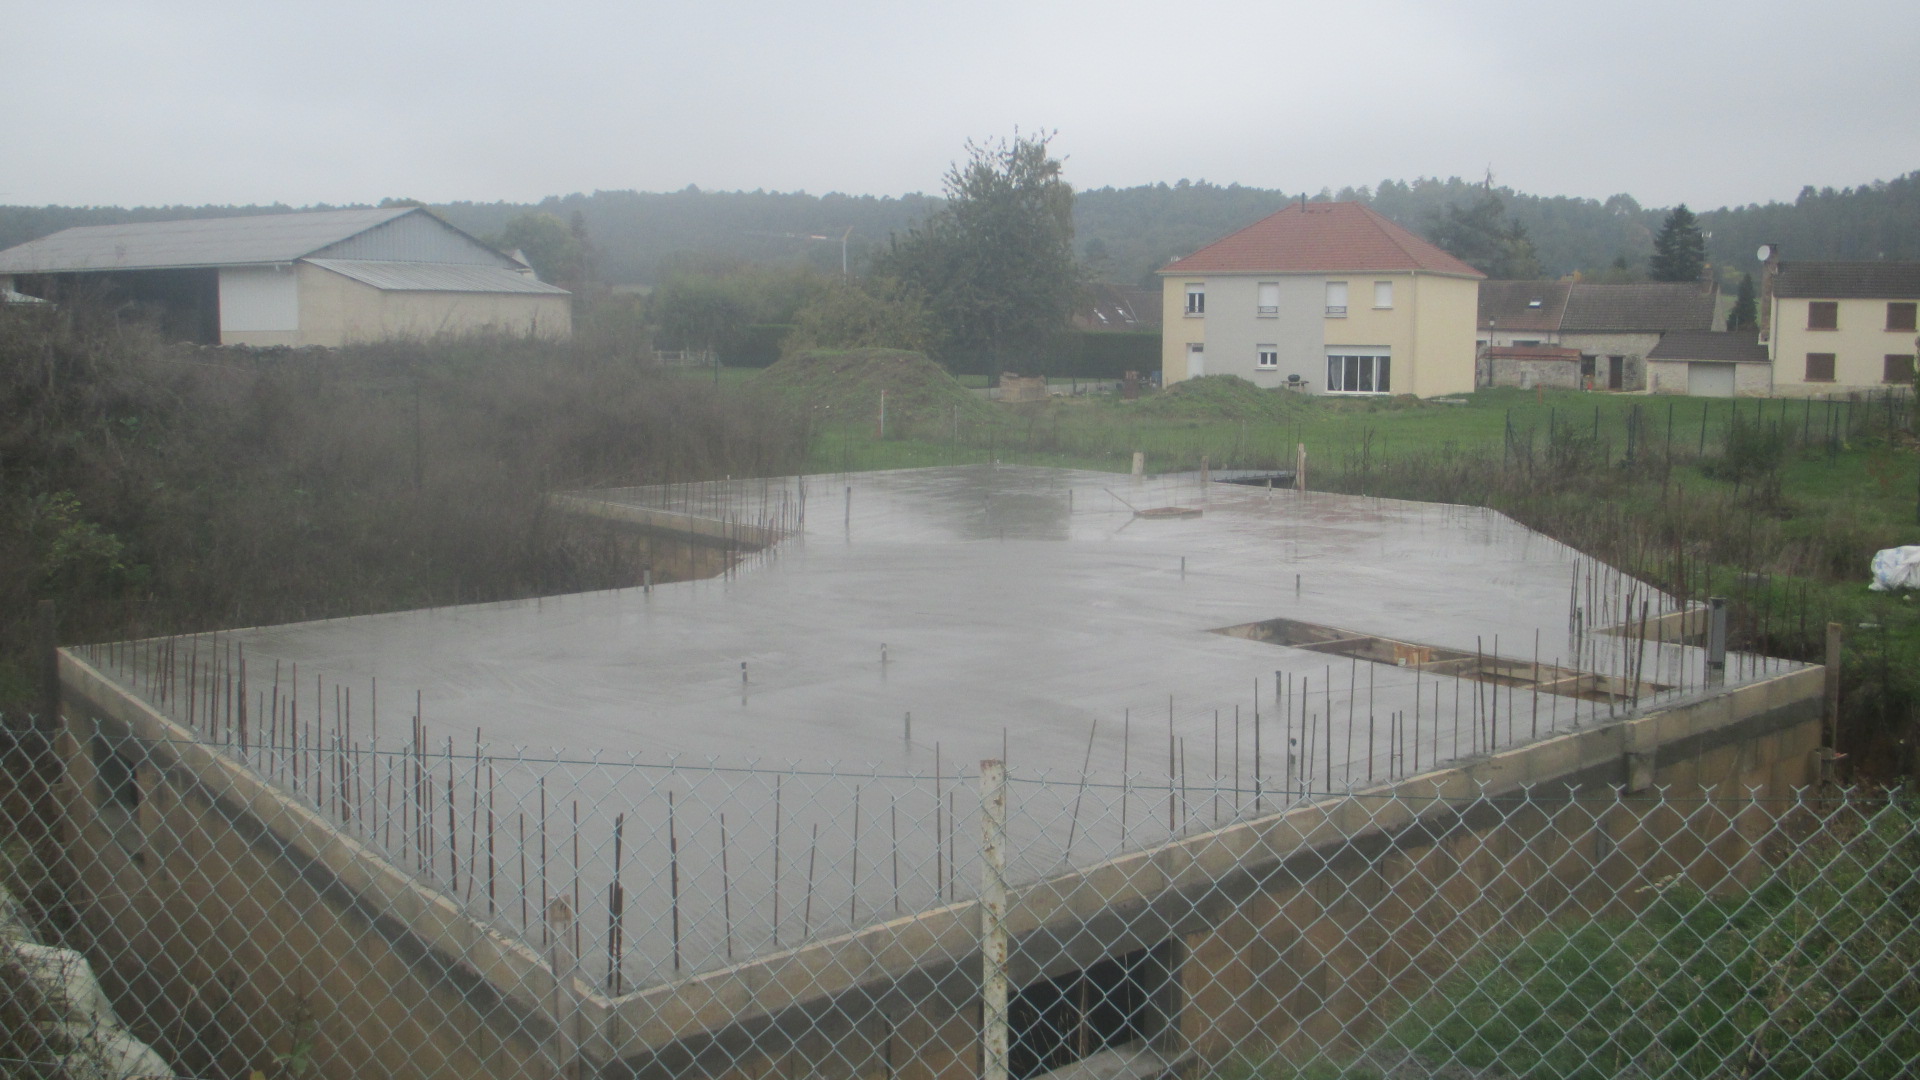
{"x":1482,"y":236}
{"x":1680,"y":250}
{"x":1746,"y":307}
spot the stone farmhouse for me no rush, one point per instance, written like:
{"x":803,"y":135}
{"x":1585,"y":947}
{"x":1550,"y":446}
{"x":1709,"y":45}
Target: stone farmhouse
{"x":1580,"y":335}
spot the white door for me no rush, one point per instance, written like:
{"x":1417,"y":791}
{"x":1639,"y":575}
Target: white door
{"x":1196,"y":360}
{"x":1709,"y":380}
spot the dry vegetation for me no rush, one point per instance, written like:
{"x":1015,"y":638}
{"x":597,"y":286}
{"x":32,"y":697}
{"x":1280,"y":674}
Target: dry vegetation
{"x":149,"y":487}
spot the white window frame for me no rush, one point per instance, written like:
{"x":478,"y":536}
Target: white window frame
{"x":1266,"y":358}
{"x":1336,"y":299}
{"x":1383,"y":296}
{"x":1369,"y":371}
{"x":1262,"y":292}
{"x":1196,"y":300}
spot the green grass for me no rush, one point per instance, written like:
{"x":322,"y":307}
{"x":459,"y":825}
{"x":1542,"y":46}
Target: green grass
{"x":1810,"y":974}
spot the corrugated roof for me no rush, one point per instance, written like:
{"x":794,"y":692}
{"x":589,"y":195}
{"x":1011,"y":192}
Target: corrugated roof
{"x":1524,"y":305}
{"x":437,"y":277}
{"x":160,"y":245}
{"x":1738,"y":346}
{"x":1849,"y":280}
{"x":1321,"y":238}
{"x":1647,"y":307}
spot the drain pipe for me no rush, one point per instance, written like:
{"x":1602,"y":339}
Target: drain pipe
{"x":1716,"y":640}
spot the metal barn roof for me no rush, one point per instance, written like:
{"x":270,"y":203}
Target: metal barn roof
{"x":436,"y":277}
{"x":160,"y":245}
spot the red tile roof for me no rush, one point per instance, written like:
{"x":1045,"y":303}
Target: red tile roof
{"x":1320,"y":238}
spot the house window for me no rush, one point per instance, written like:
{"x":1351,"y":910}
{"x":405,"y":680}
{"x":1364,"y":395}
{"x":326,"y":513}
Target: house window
{"x":1900,"y":315}
{"x":1269,"y":299}
{"x":1349,"y":373}
{"x":1898,"y":370}
{"x":1196,"y":299}
{"x":1383,"y":294}
{"x":1268,"y":357}
{"x":1526,"y":342}
{"x":1819,"y":367}
{"x":1337,"y":298}
{"x":1823,"y":315}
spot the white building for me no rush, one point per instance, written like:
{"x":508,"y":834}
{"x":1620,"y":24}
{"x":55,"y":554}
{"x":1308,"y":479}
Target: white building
{"x":325,"y":277}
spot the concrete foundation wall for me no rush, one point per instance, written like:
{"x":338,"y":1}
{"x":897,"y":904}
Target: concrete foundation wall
{"x":241,"y":912}
{"x":228,"y":912}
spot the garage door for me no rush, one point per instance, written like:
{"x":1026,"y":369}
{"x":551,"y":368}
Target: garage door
{"x":1710,"y":380}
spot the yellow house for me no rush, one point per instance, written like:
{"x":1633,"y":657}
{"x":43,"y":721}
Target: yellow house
{"x":1327,"y":298}
{"x":1839,"y":327}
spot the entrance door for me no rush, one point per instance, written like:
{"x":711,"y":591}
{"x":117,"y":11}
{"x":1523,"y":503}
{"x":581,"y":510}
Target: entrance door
{"x":1196,"y":360}
{"x":1710,"y":380}
{"x":1616,"y":372}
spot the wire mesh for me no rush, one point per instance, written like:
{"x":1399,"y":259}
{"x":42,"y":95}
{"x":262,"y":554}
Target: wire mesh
{"x":444,"y":910}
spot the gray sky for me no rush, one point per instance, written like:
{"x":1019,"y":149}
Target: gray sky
{"x":213,"y":101}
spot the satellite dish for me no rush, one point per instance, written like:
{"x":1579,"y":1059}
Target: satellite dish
{"x":1765,"y":252}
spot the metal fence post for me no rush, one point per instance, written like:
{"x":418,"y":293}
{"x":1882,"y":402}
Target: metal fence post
{"x":1716,"y":640}
{"x":993,"y":919}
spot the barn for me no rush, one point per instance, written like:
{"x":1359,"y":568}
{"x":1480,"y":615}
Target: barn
{"x":324,"y":277}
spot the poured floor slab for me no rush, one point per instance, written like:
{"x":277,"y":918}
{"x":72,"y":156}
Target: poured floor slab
{"x":906,"y":626}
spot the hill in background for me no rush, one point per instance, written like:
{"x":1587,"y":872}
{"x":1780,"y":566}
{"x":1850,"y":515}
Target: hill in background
{"x":1123,"y":233}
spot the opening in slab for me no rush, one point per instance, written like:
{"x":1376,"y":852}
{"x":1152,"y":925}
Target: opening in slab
{"x":1439,"y":660}
{"x":1109,"y":1004}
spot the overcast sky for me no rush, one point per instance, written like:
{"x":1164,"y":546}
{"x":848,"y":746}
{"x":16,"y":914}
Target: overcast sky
{"x":205,"y":101}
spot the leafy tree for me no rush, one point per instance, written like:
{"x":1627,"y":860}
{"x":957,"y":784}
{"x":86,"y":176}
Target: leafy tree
{"x":1482,"y":236}
{"x":700,"y":314}
{"x":711,"y":304}
{"x":995,"y":265}
{"x":876,"y":313}
{"x":557,"y":252}
{"x":1680,"y":251}
{"x":1746,"y":307}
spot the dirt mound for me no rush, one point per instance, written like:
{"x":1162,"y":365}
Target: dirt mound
{"x":1222,"y":397}
{"x":845,"y":385}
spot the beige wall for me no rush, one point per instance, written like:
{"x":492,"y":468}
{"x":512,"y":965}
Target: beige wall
{"x":1670,"y":377}
{"x":1860,"y":346}
{"x":1446,"y":309}
{"x":1176,"y":329}
{"x":336,"y":310}
{"x":1428,"y":330}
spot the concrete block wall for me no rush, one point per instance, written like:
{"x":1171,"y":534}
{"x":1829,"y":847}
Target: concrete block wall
{"x":245,"y":916}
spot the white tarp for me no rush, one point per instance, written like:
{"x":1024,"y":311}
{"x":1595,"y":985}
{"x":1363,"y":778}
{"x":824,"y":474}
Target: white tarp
{"x":1896,"y":568}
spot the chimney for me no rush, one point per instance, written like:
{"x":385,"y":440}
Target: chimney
{"x":1768,"y":271}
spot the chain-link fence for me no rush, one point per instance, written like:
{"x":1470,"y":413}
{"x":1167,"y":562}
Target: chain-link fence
{"x":282,"y":905}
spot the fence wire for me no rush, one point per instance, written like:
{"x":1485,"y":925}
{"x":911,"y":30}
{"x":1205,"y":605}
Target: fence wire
{"x":181,"y":907}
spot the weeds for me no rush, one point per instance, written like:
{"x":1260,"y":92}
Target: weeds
{"x":152,"y":488}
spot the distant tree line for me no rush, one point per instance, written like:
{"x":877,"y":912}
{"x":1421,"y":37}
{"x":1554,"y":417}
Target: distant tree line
{"x":1124,"y":234}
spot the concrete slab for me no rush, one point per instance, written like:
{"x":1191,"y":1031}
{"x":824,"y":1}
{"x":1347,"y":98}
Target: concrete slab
{"x":1018,"y":611}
